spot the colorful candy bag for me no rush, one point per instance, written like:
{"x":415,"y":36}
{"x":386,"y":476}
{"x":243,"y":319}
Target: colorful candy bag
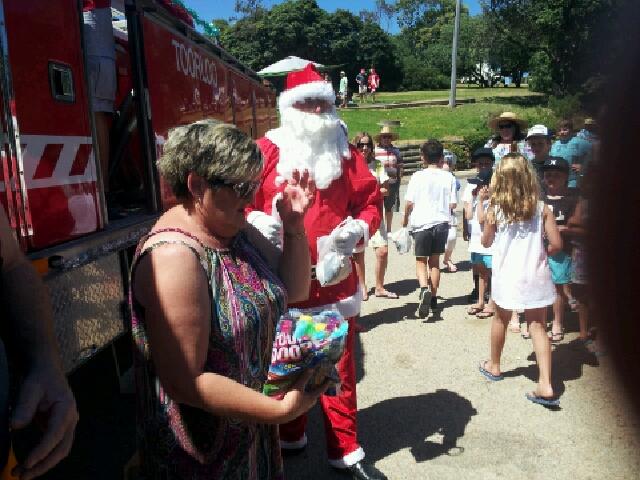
{"x":303,"y":341}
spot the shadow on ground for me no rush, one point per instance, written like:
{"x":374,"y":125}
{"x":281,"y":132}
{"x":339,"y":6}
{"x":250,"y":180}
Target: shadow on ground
{"x":568,"y":362}
{"x":388,"y":315}
{"x":403,"y":287}
{"x":430,"y":425}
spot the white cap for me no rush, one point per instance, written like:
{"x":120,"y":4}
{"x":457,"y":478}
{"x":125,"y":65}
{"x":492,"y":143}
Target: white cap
{"x":538,"y":131}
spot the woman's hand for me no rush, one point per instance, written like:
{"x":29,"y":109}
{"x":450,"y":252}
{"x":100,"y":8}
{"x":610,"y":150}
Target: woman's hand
{"x":297,"y":197}
{"x":298,"y":401}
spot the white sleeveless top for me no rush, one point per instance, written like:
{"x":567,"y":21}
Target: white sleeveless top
{"x":521,"y":278}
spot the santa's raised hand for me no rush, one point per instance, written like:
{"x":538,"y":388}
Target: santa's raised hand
{"x":297,"y":196}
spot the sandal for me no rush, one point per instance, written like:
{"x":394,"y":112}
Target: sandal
{"x":556,"y":337}
{"x":485,"y":314}
{"x":474,"y":309}
{"x":387,"y":294}
{"x":514,"y":327}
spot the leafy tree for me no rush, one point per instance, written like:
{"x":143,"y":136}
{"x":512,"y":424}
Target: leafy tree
{"x":559,"y":41}
{"x":302,"y":28}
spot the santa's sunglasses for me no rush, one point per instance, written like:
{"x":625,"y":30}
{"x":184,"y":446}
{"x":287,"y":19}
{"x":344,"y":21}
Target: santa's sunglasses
{"x":241,"y":189}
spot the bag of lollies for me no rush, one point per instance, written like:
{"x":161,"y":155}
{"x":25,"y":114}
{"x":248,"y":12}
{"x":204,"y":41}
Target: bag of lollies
{"x":306,"y":340}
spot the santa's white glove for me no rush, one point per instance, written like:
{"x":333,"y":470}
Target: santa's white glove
{"x":268,"y":226}
{"x":347,"y":235}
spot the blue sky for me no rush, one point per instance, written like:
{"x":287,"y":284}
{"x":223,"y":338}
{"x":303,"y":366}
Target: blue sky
{"x":210,"y":9}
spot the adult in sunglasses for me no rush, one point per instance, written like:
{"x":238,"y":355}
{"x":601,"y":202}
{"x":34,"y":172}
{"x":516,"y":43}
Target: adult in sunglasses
{"x":207,"y":291}
{"x":509,"y":136}
{"x":379,"y":241}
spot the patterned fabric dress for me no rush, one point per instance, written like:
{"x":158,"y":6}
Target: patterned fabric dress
{"x":183,"y":442}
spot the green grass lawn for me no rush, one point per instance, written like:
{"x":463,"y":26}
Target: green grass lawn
{"x":465,"y":121}
{"x":462,"y":92}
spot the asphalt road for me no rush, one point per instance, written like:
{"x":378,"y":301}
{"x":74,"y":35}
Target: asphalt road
{"x":425,"y":412}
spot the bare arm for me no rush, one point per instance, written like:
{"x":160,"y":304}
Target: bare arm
{"x":408,"y":208}
{"x":45,"y":388}
{"x":551,"y":231}
{"x":172,"y":287}
{"x":488,"y":228}
{"x":575,"y":226}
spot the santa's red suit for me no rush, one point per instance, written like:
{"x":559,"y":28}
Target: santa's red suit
{"x":355,"y":193}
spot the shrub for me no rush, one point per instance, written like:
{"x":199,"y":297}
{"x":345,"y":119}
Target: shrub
{"x":565,"y":107}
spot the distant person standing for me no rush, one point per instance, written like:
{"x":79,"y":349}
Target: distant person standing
{"x":509,"y":136}
{"x":539,"y":140}
{"x":374,"y":83}
{"x":100,"y":49}
{"x":574,"y":149}
{"x":344,"y":89}
{"x":390,"y":158}
{"x":361,"y":80}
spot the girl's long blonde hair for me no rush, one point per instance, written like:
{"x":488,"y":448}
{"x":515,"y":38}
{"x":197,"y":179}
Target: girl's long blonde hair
{"x":515,"y":189}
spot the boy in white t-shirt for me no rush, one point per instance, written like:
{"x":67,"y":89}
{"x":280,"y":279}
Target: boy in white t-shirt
{"x":431,"y":194}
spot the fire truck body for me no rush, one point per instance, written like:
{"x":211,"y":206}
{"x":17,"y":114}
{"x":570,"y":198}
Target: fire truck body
{"x":50,"y":184}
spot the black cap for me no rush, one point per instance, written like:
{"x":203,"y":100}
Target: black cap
{"x":556,"y":163}
{"x":483,"y":178}
{"x":483,"y":152}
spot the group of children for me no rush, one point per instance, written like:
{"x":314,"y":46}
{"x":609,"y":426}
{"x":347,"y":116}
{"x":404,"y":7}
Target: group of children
{"x":525,"y":222}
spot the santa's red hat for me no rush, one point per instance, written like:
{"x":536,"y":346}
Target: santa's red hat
{"x":307,"y":83}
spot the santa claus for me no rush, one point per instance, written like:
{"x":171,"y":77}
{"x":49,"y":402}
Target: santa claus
{"x":347,"y":207}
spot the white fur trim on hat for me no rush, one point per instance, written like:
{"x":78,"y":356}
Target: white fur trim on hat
{"x":322,"y":90}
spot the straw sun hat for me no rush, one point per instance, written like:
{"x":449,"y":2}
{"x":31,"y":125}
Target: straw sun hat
{"x":507,"y":117}
{"x":386,"y":130}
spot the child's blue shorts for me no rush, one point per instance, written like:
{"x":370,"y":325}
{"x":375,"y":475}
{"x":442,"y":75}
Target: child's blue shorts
{"x":560,"y":265}
{"x":481,"y":259}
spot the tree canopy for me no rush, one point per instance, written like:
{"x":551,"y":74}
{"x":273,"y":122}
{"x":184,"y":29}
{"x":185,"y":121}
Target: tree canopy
{"x":559,"y":42}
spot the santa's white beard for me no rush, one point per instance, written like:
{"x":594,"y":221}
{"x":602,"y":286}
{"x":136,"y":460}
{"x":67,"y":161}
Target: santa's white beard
{"x":310,"y":141}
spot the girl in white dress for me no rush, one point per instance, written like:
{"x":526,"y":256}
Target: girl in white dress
{"x":523,"y":232}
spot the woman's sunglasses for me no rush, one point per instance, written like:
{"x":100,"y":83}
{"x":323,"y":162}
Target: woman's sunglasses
{"x":504,"y":126}
{"x":241,"y":189}
{"x":366,"y":144}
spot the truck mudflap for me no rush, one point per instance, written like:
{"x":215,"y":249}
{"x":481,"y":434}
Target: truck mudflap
{"x":88,"y":283}
{"x":88,"y":309}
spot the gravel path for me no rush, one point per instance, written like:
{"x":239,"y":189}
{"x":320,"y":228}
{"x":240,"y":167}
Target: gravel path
{"x":426,"y":412}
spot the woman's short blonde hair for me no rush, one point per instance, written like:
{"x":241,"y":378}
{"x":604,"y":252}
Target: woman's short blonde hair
{"x":515,"y":189}
{"x":211,"y":149}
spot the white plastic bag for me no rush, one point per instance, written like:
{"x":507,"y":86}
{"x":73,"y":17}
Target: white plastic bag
{"x":402,"y":240}
{"x":331,"y":267}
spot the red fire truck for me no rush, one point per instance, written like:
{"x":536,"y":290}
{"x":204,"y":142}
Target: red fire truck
{"x":50,"y":182}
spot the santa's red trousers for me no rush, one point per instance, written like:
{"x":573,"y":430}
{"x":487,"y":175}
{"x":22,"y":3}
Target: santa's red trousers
{"x":339,"y":411}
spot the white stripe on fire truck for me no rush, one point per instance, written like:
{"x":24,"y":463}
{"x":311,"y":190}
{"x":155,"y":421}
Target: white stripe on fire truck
{"x":34,"y":149}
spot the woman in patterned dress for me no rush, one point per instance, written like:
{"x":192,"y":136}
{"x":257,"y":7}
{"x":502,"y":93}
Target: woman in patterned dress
{"x":207,"y":290}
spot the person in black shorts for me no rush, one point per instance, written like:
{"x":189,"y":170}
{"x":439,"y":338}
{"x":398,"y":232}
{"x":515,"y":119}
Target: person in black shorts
{"x":431,"y":194}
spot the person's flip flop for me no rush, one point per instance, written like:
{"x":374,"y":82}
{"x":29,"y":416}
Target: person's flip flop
{"x":488,"y":375}
{"x":485,"y":314}
{"x":474,"y":310}
{"x":556,"y":337}
{"x":544,"y":401}
{"x":387,"y":294}
{"x":526,"y":335}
